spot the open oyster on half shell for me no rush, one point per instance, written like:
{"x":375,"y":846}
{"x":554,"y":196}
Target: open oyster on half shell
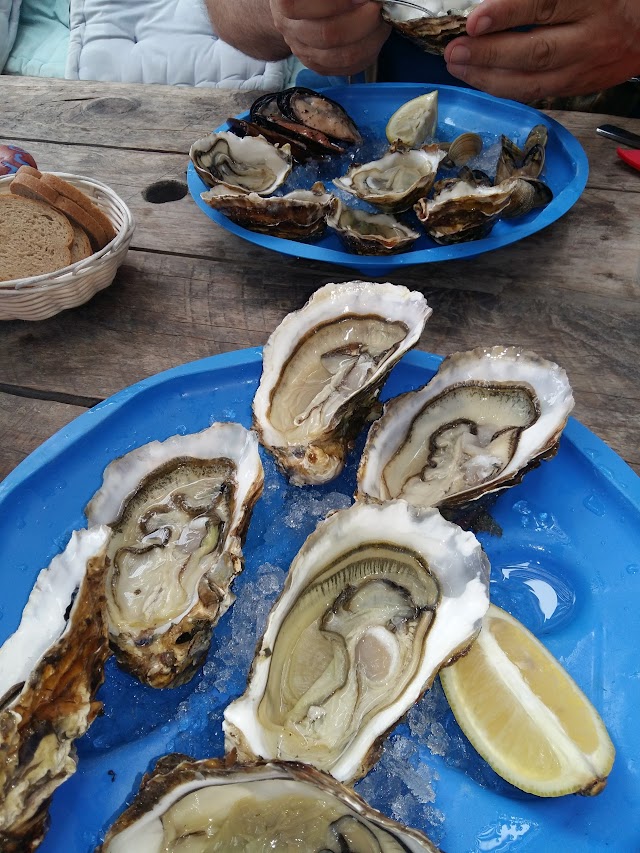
{"x":433,"y":25}
{"x":248,"y":163}
{"x":370,"y":233}
{"x":395,"y":181}
{"x":486,"y":418}
{"x":50,"y":671}
{"x":298,"y":215}
{"x":323,"y":368}
{"x":179,"y":510}
{"x":209,"y":805}
{"x":377,"y":600}
{"x":463,"y":209}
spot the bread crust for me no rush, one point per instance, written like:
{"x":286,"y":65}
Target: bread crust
{"x":68,"y":200}
{"x":83,"y":201}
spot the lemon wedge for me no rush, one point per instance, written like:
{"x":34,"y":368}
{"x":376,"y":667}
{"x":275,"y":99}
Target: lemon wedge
{"x":414,"y":121}
{"x":525,"y":715}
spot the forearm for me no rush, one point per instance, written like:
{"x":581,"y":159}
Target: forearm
{"x":248,"y":26}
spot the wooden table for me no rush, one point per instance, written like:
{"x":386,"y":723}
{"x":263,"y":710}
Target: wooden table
{"x":189,"y":289}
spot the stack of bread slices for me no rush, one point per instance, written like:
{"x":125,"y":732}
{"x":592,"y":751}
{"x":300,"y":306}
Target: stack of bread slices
{"x":46,"y":224}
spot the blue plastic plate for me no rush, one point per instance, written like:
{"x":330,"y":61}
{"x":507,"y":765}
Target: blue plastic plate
{"x":371,"y":106}
{"x":567,"y":564}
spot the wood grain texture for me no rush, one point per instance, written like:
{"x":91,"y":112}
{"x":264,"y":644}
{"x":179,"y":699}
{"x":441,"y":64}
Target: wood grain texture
{"x":189,"y":289}
{"x":25,"y":424}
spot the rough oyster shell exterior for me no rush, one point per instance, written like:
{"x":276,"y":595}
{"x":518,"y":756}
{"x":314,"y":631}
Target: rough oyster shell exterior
{"x":298,"y":215}
{"x":50,"y":671}
{"x":433,"y":30}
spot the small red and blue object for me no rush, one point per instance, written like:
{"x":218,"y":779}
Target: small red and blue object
{"x":12,"y":157}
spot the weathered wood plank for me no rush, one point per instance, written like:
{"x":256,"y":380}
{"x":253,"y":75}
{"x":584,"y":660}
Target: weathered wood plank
{"x":25,"y":424}
{"x":118,"y":115}
{"x":123,"y":115}
{"x":165,"y":311}
{"x":595,"y":247}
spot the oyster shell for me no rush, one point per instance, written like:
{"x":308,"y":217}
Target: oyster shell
{"x":485,"y":419}
{"x":433,"y":28}
{"x":377,"y":600}
{"x":209,"y":805}
{"x":370,"y":233}
{"x":463,"y":210}
{"x":323,"y":368}
{"x":397,"y":180}
{"x":249,"y":163}
{"x":179,"y":510}
{"x":298,"y":215}
{"x":50,"y":671}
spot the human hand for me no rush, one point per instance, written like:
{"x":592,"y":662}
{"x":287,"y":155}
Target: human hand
{"x":331,"y":36}
{"x":577,"y":47}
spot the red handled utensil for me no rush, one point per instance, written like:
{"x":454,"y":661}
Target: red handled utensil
{"x":631,"y":158}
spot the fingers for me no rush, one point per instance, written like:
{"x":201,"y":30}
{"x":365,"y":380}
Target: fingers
{"x":492,"y":16}
{"x":344,"y":41}
{"x":335,"y":32}
{"x":344,"y":60}
{"x":541,"y":49}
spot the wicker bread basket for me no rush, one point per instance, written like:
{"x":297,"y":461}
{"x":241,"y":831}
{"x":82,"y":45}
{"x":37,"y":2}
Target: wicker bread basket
{"x":42,"y":296}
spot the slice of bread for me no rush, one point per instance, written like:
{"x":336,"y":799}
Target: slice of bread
{"x":34,"y":239}
{"x":64,"y":188}
{"x":64,"y":197}
{"x":81,"y":247}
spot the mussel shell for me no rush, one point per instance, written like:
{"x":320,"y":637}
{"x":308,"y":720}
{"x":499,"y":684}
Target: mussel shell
{"x":302,"y":105}
{"x":527,"y":194}
{"x":300,"y":151}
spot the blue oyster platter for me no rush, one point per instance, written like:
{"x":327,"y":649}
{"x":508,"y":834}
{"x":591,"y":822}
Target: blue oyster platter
{"x":566,"y":563}
{"x":459,"y":110}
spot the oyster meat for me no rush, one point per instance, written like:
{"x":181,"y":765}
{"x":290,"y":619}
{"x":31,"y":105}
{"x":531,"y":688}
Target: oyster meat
{"x":323,"y":368}
{"x":50,"y":671}
{"x":298,"y":215}
{"x":370,"y":233}
{"x":248,"y":163}
{"x":377,"y":600}
{"x":432,"y":28}
{"x":486,"y":417}
{"x":209,"y":805}
{"x":179,"y":510}
{"x":394,"y":182}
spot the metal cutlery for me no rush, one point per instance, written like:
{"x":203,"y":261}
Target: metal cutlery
{"x":619,"y":134}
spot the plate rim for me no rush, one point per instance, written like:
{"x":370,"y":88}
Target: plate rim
{"x":611,"y":466}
